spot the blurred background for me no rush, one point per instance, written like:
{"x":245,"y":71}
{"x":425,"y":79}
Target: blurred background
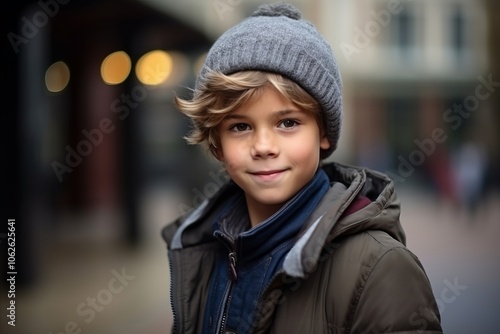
{"x":95,"y":162}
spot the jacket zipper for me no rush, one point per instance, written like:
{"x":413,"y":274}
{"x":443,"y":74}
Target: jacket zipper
{"x":175,"y":326}
{"x":223,"y":319}
{"x":233,"y":275}
{"x":229,"y":292}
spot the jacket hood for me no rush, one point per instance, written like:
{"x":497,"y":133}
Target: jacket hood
{"x":359,"y":199}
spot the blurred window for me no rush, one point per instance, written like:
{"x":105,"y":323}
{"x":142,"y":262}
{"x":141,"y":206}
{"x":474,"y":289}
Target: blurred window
{"x":406,"y":30}
{"x":457,"y":33}
{"x":404,"y":35}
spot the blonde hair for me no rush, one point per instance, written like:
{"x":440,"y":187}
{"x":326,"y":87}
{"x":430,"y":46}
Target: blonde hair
{"x":220,"y":94}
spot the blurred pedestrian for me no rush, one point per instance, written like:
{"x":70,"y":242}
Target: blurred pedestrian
{"x":470,"y":168}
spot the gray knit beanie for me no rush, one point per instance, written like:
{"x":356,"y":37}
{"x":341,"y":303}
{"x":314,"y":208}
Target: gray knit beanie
{"x":275,"y":39}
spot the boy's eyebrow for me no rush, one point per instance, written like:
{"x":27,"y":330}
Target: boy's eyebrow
{"x":233,"y":116}
{"x":286,"y":112}
{"x":279,"y":113}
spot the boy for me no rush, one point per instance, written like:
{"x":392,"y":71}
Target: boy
{"x":287,"y":245}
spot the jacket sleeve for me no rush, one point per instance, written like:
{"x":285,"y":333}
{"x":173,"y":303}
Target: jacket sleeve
{"x":397,"y":297}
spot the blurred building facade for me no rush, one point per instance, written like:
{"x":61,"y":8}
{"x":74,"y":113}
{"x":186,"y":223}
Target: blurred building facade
{"x":84,"y":149}
{"x":419,"y":84}
{"x":493,"y":10}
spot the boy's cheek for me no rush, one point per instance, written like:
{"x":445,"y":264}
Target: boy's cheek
{"x":230,"y":166}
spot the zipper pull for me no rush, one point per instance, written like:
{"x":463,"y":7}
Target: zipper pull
{"x":232,"y":266}
{"x":229,"y":243}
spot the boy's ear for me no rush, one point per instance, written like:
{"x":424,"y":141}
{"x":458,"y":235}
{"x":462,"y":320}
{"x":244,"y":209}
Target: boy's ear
{"x":324,"y":143}
{"x":217,"y":151}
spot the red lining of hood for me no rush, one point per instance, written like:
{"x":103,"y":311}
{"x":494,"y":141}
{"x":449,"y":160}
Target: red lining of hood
{"x":356,"y":205}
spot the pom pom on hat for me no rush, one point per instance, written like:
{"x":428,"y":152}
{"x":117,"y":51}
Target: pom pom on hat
{"x":278,"y":9}
{"x":276,"y":39}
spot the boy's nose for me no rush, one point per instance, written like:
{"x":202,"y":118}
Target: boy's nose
{"x":264,"y":145}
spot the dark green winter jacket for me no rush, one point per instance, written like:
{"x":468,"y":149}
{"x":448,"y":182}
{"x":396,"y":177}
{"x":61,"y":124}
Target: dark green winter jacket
{"x":348,"y":272}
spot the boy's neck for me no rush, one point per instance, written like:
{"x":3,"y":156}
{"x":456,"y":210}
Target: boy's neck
{"x":259,"y":212}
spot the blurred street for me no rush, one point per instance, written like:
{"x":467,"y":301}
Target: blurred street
{"x":72,"y":293}
{"x":462,"y":249}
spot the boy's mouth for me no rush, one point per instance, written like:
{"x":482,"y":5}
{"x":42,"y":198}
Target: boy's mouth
{"x":268,"y":175}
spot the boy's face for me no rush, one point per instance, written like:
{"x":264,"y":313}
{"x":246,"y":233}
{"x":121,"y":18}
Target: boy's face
{"x":270,"y":148}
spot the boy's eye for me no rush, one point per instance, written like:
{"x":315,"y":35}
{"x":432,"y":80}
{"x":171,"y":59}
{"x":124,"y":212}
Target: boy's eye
{"x":239,"y":127}
{"x":288,"y":123}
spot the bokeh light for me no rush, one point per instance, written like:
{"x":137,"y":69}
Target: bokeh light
{"x":57,"y":77}
{"x":154,"y":67}
{"x":116,"y":67}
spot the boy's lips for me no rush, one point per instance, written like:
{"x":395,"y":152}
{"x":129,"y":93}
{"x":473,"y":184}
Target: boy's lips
{"x":268,"y":175}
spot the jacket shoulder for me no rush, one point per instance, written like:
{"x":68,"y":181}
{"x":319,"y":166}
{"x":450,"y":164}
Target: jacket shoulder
{"x":383,"y":285}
